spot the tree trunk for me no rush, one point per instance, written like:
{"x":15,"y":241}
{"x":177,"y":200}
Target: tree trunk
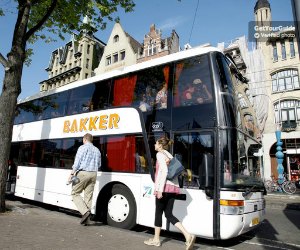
{"x":8,"y":101}
{"x":10,"y":92}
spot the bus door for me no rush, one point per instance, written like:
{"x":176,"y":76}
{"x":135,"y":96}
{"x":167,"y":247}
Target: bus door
{"x":196,"y":151}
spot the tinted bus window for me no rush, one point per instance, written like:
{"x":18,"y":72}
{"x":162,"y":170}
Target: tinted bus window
{"x":81,"y":99}
{"x":28,"y":112}
{"x":130,"y":151}
{"x":102,"y":96}
{"x":190,"y":148}
{"x":242,"y":165}
{"x":68,"y":151}
{"x":193,"y":102}
{"x":225,"y":75}
{"x":123,"y":90}
{"x":53,"y":105}
{"x":44,"y":153}
{"x":151,"y":90}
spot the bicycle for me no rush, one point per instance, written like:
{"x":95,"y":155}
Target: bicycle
{"x":274,"y":186}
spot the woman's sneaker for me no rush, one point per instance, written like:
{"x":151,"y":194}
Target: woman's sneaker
{"x":152,"y":242}
{"x":190,"y":243}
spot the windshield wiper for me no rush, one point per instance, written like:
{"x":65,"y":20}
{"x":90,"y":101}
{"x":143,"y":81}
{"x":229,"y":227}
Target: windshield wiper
{"x":248,"y":191}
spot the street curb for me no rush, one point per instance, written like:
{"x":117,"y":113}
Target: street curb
{"x":283,"y":201}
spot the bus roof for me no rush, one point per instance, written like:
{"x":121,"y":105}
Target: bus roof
{"x":200,"y":50}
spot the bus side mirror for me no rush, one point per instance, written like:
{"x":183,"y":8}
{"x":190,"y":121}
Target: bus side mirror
{"x":206,"y":174}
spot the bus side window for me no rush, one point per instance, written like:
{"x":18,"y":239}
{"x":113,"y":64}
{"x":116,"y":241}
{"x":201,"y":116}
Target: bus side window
{"x":123,"y":90}
{"x":151,"y":90}
{"x":193,"y":84}
{"x":101,"y":98}
{"x":80,"y":100}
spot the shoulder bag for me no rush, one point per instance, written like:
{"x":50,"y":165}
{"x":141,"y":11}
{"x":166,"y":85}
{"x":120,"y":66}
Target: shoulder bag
{"x":175,"y":168}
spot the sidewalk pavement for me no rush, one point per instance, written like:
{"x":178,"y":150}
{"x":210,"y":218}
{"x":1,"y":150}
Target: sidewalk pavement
{"x":29,"y":227}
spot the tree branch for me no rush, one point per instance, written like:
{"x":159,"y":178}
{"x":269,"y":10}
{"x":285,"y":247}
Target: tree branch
{"x":42,"y":21}
{"x":4,"y":62}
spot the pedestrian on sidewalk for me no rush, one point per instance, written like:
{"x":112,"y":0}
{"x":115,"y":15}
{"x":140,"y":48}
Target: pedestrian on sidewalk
{"x":86,"y":164}
{"x":165,"y":192}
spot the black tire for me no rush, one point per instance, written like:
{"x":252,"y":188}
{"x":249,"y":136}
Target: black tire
{"x":121,"y":208}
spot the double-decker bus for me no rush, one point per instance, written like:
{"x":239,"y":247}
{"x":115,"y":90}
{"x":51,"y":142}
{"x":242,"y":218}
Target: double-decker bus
{"x":192,"y":97}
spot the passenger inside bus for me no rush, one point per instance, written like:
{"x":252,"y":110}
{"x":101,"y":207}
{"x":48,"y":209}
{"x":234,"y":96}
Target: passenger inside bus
{"x":144,"y":105}
{"x":196,"y":93}
{"x":161,"y":97}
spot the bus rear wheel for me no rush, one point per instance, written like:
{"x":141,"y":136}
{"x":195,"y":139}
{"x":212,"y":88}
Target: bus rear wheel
{"x":121,"y":208}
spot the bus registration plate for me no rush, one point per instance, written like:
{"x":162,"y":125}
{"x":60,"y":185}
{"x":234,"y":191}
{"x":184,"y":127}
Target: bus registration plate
{"x":255,"y":221}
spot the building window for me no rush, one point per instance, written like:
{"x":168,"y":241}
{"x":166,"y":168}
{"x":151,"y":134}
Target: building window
{"x":292,"y":47}
{"x":122,"y":55}
{"x":86,"y":75}
{"x":116,"y":38}
{"x":242,"y":101}
{"x":71,"y":54}
{"x":108,"y":60}
{"x":115,"y":58}
{"x":250,"y":97}
{"x":87,"y":63}
{"x":275,"y":54}
{"x":154,"y":48}
{"x":285,"y":80}
{"x":287,"y":112}
{"x":249,"y":124}
{"x":88,"y":49}
{"x":283,"y":50}
{"x":151,"y":49}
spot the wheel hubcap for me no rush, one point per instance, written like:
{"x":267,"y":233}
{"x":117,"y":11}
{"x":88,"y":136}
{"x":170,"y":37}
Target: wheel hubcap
{"x":118,"y":208}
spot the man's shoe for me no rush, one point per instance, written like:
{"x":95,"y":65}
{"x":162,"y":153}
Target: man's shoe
{"x":85,"y":217}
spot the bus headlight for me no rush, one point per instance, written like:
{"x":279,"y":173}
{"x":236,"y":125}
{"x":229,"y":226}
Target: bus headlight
{"x":231,"y":207}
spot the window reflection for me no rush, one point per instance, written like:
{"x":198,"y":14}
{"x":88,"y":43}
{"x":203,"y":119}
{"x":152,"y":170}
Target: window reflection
{"x":190,"y":148}
{"x":192,"y":82}
{"x":242,"y":157}
{"x":151,"y":90}
{"x":81,"y":99}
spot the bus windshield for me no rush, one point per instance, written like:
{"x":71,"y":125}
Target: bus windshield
{"x":242,"y":160}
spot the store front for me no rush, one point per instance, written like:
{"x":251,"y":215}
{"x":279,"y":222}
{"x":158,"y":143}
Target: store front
{"x":291,"y":160}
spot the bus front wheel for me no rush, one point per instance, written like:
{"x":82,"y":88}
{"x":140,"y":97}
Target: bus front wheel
{"x":121,"y":208}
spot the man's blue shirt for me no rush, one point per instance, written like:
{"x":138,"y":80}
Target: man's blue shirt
{"x":88,"y":158}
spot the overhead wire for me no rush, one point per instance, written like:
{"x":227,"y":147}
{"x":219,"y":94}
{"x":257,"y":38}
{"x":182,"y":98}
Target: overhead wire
{"x":195,"y":15}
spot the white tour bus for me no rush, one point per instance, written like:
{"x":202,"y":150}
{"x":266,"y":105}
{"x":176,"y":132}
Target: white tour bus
{"x":194,"y":98}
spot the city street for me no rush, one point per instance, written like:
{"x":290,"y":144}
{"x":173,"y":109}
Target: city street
{"x":32,"y":226}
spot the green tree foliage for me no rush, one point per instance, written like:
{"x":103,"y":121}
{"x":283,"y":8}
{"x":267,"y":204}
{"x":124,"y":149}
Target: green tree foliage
{"x":46,"y":20}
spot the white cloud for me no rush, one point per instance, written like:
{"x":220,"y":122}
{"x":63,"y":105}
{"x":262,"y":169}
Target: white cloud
{"x":171,"y":23}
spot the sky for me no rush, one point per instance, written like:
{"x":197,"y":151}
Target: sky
{"x":211,"y":22}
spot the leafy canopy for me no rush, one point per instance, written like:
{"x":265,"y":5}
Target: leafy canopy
{"x":67,"y":16}
{"x":50,"y":19}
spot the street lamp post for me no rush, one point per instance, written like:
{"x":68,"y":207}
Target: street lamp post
{"x":279,"y":156}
